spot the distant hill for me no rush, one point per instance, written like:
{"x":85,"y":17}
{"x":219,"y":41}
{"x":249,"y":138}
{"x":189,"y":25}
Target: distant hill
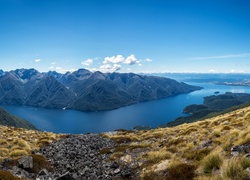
{"x":213,"y":106}
{"x":84,"y":90}
{"x":7,"y":119}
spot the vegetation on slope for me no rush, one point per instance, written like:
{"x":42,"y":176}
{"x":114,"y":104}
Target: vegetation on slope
{"x":215,"y":148}
{"x":200,"y":150}
{"x":17,"y":142}
{"x":211,"y":107}
{"x":7,"y":119}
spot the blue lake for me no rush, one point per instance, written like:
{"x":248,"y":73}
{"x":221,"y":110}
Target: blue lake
{"x":152,"y":113}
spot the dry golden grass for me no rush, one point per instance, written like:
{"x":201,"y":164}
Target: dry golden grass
{"x":186,"y":144}
{"x":16,"y":142}
{"x":233,"y":170}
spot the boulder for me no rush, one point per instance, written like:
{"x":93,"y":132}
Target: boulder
{"x":26,"y":162}
{"x":65,"y":176}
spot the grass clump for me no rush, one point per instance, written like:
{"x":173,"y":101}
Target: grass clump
{"x":181,"y":171}
{"x":156,"y":156}
{"x":3,"y":142}
{"x":5,"y":175}
{"x":4,"y":152}
{"x":43,"y":143}
{"x":18,"y":153}
{"x":151,"y":175}
{"x":105,"y":151}
{"x":39,"y":163}
{"x":211,"y":162}
{"x":233,"y":170}
{"x":116,"y":155}
{"x":245,"y":162}
{"x":197,"y":154}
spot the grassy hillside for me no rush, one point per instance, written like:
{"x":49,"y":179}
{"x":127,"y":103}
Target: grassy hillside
{"x":215,"y":148}
{"x":199,"y":150}
{"x":17,"y":142}
{"x":7,"y":119}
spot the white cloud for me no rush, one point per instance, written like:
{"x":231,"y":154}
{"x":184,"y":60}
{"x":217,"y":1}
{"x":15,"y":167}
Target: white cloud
{"x":87,"y":62}
{"x":37,"y":60}
{"x":53,"y":63}
{"x":51,"y":67}
{"x":108,"y":68}
{"x":130,"y":60}
{"x":58,"y":68}
{"x":116,"y":67}
{"x":92,"y":69}
{"x":113,"y":59}
{"x":237,"y":71}
{"x":128,"y":69}
{"x":140,"y":64}
{"x":105,"y":68}
{"x":212,"y":71}
{"x":242,"y":55}
{"x":148,"y":60}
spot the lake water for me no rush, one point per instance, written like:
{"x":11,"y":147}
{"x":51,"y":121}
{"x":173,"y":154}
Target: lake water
{"x":152,"y":113}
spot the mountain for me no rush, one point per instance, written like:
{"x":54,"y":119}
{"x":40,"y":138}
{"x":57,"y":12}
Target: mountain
{"x":84,"y":90}
{"x":1,"y":72}
{"x":7,"y":119}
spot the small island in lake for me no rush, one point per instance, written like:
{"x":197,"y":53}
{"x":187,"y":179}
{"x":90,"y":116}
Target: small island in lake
{"x":212,"y":106}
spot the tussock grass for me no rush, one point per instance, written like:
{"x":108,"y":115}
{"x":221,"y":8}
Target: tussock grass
{"x":211,"y":162}
{"x":4,"y":152}
{"x":181,"y":171}
{"x":18,"y":153}
{"x":5,"y":175}
{"x":233,"y":170}
{"x":39,"y":163}
{"x":186,"y":143}
{"x":16,"y":142}
{"x":157,"y":156}
{"x":116,"y":155}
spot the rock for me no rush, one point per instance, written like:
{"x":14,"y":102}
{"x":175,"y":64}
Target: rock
{"x":43,"y":172}
{"x":207,"y":144}
{"x":117,"y":171}
{"x":26,"y":162}
{"x":16,"y":171}
{"x":240,"y":149}
{"x":126,"y":173}
{"x":114,"y":165}
{"x":65,"y":176}
{"x":80,"y":157}
{"x":44,"y":178}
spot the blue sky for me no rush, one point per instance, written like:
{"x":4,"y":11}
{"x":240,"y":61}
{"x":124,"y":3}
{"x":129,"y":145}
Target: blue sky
{"x":126,"y":35}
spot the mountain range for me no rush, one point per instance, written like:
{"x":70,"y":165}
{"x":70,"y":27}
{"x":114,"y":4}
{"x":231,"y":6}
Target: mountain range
{"x":84,"y":90}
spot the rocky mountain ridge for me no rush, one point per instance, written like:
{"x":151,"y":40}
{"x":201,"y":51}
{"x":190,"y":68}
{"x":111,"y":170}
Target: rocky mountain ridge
{"x":83,"y":90}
